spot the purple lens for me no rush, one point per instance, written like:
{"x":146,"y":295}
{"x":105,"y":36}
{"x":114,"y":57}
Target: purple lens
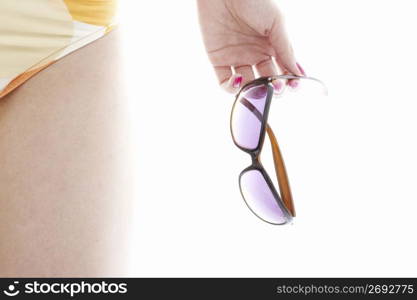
{"x":247,"y":116}
{"x":260,"y":198}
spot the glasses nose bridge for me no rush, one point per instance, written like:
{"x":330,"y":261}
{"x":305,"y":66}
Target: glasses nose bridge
{"x":256,"y":160}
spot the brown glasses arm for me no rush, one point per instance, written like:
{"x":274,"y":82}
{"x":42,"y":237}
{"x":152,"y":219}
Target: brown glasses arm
{"x":281,"y":172}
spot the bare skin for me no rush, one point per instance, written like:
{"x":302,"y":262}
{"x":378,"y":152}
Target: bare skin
{"x":66,"y":192}
{"x":246,"y":33}
{"x":64,"y":186}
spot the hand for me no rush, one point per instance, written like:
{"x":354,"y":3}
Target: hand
{"x":246,"y":33}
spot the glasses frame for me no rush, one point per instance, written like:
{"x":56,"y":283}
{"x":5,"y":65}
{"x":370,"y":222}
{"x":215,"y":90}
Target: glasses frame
{"x":284,"y":199}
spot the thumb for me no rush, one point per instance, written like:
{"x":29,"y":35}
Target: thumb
{"x":284,"y":53}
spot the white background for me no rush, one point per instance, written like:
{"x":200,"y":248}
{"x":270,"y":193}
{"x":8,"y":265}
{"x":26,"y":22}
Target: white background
{"x":351,"y":156}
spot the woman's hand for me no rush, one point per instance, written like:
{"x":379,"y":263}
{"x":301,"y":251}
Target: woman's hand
{"x":246,"y":33}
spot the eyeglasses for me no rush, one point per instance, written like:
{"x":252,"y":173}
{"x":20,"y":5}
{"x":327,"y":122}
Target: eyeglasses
{"x":248,"y":124}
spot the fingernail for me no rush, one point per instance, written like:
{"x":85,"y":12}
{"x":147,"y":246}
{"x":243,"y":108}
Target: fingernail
{"x":278,"y":85}
{"x":293,"y":84}
{"x":237,"y":81}
{"x":301,"y":69}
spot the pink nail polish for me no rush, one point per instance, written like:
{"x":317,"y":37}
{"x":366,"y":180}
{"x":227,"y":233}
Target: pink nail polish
{"x":237,"y":82}
{"x":277,"y":85}
{"x":293,"y":83}
{"x":301,"y":69}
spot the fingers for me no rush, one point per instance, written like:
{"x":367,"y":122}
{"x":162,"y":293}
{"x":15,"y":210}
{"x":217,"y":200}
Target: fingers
{"x":284,"y":53}
{"x":227,"y":80}
{"x":294,"y":83}
{"x":223,"y":74}
{"x":246,"y":72}
{"x":232,"y":82}
{"x":268,"y":68}
{"x":301,"y":69}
